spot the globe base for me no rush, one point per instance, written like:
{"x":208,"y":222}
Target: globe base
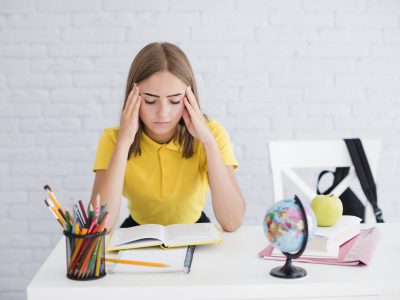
{"x":288,"y":271}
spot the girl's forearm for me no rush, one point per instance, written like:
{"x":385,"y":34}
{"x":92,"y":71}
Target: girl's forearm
{"x":227,"y":200}
{"x":111,"y":187}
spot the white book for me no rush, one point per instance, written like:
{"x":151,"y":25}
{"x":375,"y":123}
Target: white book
{"x":331,"y":253}
{"x":327,"y":238}
{"x":175,"y":235}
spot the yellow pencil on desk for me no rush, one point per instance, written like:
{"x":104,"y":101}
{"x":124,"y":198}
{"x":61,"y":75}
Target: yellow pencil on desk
{"x":136,"y":262}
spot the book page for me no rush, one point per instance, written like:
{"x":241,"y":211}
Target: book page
{"x":318,"y":243}
{"x":191,"y":234}
{"x":344,"y":222}
{"x":331,"y":253}
{"x":174,"y":258}
{"x":137,"y":235}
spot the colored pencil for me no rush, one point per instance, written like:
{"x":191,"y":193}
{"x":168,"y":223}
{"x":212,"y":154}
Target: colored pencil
{"x":55,"y":211}
{"x":136,"y":262}
{"x":52,"y":212}
{"x":82,"y":268}
{"x":98,"y":260}
{"x":53,"y":197}
{"x":93,"y":258}
{"x":86,"y":256}
{"x":85,"y":217}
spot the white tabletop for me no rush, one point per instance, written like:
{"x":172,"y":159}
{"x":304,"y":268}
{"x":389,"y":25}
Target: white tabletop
{"x":232,"y":270}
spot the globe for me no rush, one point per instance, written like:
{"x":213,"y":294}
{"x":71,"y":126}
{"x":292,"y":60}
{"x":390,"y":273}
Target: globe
{"x":284,"y":227}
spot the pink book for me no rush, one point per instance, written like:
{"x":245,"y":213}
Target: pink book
{"x":356,"y":252}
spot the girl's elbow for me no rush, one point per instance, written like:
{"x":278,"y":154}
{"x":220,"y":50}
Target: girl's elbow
{"x":234,"y":223}
{"x":231,"y":226}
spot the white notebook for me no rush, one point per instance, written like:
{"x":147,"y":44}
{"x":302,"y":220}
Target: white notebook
{"x":174,"y":257}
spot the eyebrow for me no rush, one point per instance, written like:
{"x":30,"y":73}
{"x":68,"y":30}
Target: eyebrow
{"x":148,"y":94}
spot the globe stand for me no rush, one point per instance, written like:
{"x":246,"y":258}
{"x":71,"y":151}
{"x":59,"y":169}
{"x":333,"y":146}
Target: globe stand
{"x":288,"y":271}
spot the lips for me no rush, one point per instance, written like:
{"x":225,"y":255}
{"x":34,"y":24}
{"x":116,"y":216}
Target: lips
{"x":161,"y":123}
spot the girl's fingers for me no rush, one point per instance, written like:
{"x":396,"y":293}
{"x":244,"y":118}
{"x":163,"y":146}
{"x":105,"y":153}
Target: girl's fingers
{"x":192,"y":99}
{"x":135,"y":98}
{"x":135,"y":110}
{"x":128,"y":100}
{"x":131,"y":99}
{"x":190,"y":111}
{"x":189,"y":107}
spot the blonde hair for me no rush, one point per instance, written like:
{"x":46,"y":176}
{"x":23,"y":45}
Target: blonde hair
{"x":153,"y":58}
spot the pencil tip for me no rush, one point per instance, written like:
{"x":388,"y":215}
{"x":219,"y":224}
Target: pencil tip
{"x":47,"y":187}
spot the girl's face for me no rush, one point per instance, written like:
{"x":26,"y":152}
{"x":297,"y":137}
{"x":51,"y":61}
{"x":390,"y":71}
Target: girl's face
{"x":162,"y":105}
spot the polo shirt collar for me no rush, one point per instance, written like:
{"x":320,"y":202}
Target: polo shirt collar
{"x":172,"y":144}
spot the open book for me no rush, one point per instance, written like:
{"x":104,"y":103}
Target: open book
{"x":175,"y":235}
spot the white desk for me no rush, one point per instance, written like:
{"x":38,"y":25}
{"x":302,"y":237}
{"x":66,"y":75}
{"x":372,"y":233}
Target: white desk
{"x":232,"y":270}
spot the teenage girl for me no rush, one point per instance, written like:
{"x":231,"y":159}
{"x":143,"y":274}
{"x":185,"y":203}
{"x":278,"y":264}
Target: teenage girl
{"x":166,"y":154}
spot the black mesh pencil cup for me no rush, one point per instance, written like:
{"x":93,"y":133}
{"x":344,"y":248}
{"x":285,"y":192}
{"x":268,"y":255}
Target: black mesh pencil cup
{"x":85,"y":255}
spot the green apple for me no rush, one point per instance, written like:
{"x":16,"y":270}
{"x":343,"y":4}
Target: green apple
{"x":327,"y":208}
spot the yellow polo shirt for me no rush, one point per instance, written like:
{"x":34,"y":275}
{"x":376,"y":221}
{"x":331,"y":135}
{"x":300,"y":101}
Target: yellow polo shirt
{"x":162,"y":187}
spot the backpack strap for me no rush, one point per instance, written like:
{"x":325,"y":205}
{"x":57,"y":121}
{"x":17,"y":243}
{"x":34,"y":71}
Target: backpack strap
{"x":318,"y":180}
{"x":364,"y":174}
{"x":338,"y":175}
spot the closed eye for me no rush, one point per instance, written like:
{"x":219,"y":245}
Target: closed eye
{"x":154,"y":101}
{"x":149,"y":101}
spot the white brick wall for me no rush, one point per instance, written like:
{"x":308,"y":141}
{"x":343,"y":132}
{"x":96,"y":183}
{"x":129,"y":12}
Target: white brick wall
{"x":267,"y":69}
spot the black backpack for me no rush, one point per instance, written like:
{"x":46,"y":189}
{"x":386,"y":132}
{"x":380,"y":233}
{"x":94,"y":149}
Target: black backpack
{"x":351,"y":204}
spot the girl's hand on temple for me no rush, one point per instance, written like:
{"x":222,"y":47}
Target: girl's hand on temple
{"x":129,"y":122}
{"x":194,"y":119}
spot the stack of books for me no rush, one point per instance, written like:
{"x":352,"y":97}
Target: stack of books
{"x":343,"y":244}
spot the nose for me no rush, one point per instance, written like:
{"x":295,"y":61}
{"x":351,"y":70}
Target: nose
{"x":163,"y":109}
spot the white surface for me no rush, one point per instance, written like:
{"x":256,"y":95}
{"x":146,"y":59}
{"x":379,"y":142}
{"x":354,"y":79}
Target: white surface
{"x":232,"y":270}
